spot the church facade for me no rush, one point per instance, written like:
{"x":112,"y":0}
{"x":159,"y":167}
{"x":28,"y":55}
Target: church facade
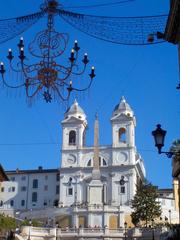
{"x":94,"y":185}
{"x":99,"y":182}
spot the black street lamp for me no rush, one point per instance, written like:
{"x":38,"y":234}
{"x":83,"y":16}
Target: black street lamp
{"x":122,"y":183}
{"x":125,"y":234}
{"x":166,"y":220}
{"x":153,"y":229}
{"x":169,"y":216}
{"x":159,"y":136}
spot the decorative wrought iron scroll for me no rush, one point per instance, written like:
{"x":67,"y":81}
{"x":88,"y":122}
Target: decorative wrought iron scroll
{"x":46,"y":76}
{"x":53,"y":79}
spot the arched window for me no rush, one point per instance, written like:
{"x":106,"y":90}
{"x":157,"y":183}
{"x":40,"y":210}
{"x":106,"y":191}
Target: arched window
{"x":84,"y":138}
{"x":122,"y":135}
{"x":89,"y":163}
{"x":1,"y":203}
{"x":104,"y":162}
{"x":72,"y":137}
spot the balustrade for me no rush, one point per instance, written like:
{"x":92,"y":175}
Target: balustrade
{"x":86,"y":232}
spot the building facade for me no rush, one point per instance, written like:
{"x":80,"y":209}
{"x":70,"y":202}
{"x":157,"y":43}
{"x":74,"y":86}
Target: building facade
{"x":35,"y":189}
{"x":172,"y":27}
{"x":104,"y":201}
{"x":93,"y":187}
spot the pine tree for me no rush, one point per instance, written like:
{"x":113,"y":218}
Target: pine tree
{"x":145,"y":204}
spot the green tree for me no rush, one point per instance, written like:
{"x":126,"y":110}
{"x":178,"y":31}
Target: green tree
{"x":34,"y":223}
{"x":145,"y":205}
{"x":175,"y":147}
{"x":7,"y":225}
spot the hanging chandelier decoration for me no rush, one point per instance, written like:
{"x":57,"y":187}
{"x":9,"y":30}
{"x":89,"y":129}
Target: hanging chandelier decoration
{"x":47,"y":77}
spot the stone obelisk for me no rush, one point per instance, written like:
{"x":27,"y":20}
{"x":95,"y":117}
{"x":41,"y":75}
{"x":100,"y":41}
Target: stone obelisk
{"x":95,"y":185}
{"x":96,"y":171}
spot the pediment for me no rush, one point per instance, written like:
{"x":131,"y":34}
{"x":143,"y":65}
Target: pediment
{"x":72,"y":119}
{"x":121,"y":117}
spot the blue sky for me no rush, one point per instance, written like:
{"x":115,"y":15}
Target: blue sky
{"x":146,"y":75}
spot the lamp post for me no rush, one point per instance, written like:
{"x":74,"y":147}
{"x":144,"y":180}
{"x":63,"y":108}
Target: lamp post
{"x":152,"y":229}
{"x":125,"y":233}
{"x":121,"y":182}
{"x":166,"y":220}
{"x":29,"y":237}
{"x":169,"y":216}
{"x":159,"y":136}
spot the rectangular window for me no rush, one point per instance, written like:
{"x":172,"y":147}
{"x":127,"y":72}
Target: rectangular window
{"x":12,"y":203}
{"x":13,"y":189}
{"x":34,"y":197}
{"x":70,"y":191}
{"x":46,"y":188}
{"x":122,"y":189}
{"x":2,"y":189}
{"x":22,"y":203}
{"x":23,"y":178}
{"x":23,"y":188}
{"x":35,"y":183}
{"x":12,"y":179}
{"x":57,"y":189}
{"x":57,"y":177}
